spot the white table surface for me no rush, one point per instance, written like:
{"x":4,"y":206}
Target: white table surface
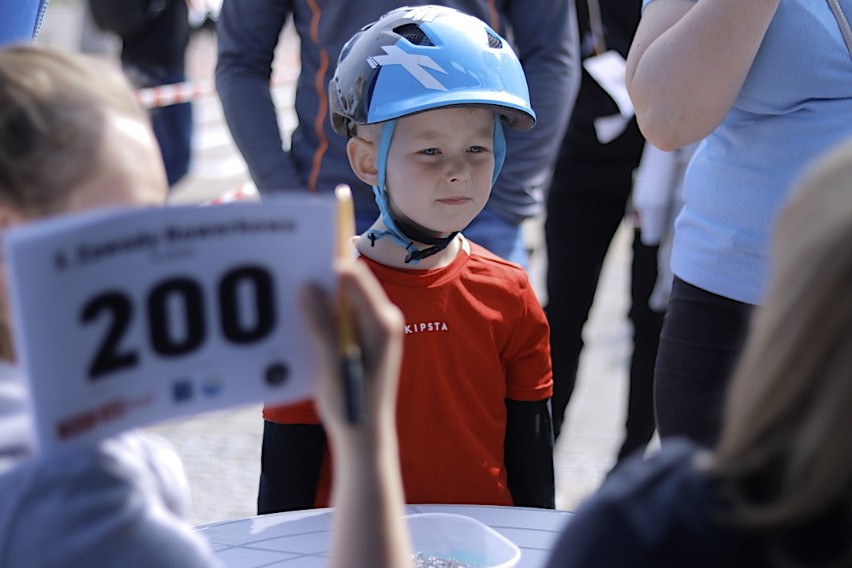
{"x":300,"y":539}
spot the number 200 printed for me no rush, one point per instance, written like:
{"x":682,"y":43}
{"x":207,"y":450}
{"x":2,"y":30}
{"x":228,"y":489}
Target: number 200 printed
{"x":109,"y":357}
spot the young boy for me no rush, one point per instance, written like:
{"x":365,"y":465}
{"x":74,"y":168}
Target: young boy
{"x":423,"y":94}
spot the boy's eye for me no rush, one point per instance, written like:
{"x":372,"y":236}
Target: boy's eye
{"x":430,"y":152}
{"x":476,"y":149}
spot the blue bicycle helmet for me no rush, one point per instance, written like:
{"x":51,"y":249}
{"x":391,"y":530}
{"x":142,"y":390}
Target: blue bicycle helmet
{"x":420,"y":58}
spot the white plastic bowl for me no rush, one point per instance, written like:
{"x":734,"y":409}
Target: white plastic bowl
{"x":462,"y":539}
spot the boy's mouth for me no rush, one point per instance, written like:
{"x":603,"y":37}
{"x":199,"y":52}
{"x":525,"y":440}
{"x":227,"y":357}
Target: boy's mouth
{"x":454,"y":200}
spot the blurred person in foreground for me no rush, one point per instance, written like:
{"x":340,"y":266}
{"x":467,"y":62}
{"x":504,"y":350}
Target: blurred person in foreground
{"x":73,"y":138}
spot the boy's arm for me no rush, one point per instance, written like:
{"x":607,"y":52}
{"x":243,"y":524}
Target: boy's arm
{"x":291,"y":457}
{"x":528,"y":450}
{"x":528,"y":445}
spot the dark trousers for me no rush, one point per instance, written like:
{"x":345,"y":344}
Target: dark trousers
{"x":172,"y":125}
{"x":173,"y":129}
{"x":585,"y":206}
{"x":701,"y":340}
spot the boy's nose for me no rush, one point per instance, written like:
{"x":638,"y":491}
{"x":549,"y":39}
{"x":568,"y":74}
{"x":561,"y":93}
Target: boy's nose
{"x":458,"y":171}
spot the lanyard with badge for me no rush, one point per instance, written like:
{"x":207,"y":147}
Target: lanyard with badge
{"x":607,"y":67}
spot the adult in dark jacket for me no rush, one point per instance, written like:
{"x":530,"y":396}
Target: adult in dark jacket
{"x":155,"y":35}
{"x":586,"y":203}
{"x":544,"y":36}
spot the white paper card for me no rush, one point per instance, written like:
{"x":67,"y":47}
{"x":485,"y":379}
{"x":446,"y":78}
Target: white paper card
{"x":608,"y":128}
{"x":128,"y":317}
{"x":608,"y":69}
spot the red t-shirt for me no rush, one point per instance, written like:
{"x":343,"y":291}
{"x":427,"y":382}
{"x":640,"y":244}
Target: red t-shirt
{"x":475,"y":335}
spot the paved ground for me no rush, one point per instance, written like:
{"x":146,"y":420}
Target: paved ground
{"x":221,"y":451}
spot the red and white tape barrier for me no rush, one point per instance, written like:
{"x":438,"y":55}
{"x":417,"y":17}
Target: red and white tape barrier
{"x":177,"y":93}
{"x":245,"y":192}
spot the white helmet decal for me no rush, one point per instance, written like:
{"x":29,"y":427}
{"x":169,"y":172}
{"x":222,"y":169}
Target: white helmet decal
{"x":424,"y":13}
{"x":414,"y":64}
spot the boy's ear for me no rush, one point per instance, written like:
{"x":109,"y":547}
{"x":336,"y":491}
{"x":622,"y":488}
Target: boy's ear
{"x":362,"y":156}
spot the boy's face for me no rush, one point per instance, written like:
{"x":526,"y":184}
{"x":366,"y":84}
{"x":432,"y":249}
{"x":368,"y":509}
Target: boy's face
{"x":439,"y":167}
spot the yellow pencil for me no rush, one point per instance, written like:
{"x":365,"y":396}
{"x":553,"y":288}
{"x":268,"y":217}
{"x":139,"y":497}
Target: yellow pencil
{"x":350,"y":352}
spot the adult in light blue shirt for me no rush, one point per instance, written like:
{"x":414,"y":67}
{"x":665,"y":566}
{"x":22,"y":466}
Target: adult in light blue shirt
{"x":767,"y":85}
{"x":20,"y":20}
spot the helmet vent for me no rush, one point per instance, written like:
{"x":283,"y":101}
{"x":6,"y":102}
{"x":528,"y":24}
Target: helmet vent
{"x":413,"y":34}
{"x":494,"y":41}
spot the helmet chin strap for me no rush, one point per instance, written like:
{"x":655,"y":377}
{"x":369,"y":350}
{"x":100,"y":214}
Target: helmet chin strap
{"x":402,"y":232}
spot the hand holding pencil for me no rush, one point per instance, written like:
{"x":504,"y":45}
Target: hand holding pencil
{"x":367,"y":495}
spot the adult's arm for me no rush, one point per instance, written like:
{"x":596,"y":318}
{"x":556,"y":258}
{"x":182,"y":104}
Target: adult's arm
{"x":545,"y":35}
{"x":248,"y":32}
{"x":528,"y":451}
{"x":689,"y":61}
{"x":20,"y":20}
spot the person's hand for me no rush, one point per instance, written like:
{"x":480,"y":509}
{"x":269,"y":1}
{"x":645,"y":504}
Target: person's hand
{"x":378,"y":326}
{"x":367,"y":495}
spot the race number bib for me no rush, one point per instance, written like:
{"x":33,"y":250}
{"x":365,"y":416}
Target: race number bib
{"x":127,"y":317}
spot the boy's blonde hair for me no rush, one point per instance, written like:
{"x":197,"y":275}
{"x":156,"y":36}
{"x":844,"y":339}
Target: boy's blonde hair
{"x":785,"y":455}
{"x":53,"y":109}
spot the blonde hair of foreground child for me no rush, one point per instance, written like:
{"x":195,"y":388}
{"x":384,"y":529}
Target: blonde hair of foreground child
{"x":72,"y":137}
{"x":784,"y":457}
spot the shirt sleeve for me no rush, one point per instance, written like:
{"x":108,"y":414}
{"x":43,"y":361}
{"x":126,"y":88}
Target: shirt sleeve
{"x":304,"y":412}
{"x":121,"y":503}
{"x":545,"y":35}
{"x":248,"y":32}
{"x":529,"y":375}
